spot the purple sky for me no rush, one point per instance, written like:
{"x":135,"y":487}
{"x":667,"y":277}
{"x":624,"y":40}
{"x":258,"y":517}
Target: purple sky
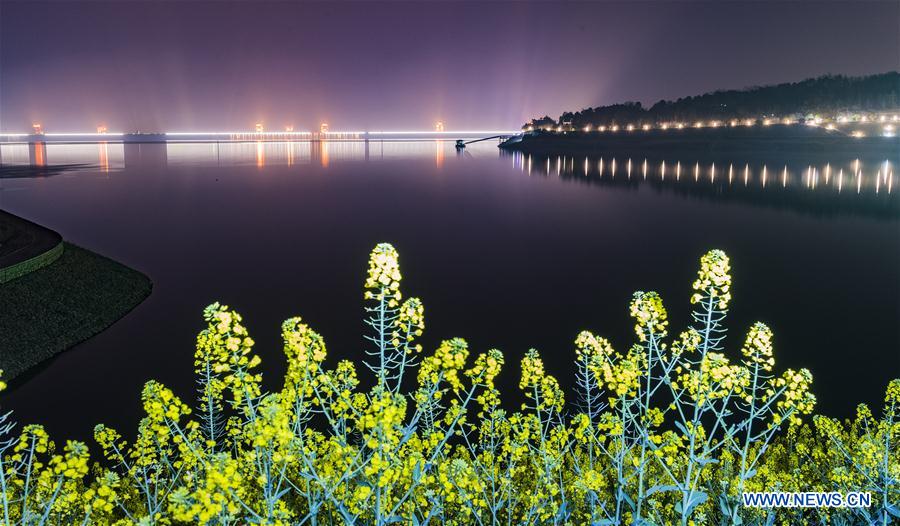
{"x":373,"y":65}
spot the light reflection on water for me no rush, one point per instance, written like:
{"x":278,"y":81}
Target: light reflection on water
{"x":875,"y":177}
{"x":871,"y":176}
{"x":862,"y":186}
{"x":117,"y":156}
{"x":872,"y":180}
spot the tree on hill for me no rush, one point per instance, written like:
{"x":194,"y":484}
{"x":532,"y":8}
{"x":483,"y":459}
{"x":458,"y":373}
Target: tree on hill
{"x":825,"y":94}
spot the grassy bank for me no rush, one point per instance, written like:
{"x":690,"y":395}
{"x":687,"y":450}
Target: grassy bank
{"x":25,"y":246}
{"x":53,"y":308}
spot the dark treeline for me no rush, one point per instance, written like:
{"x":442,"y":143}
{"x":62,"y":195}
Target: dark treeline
{"x":827,"y":94}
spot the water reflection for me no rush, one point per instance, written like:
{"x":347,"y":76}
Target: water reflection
{"x":439,"y":151}
{"x":260,"y":155}
{"x":816,"y":187}
{"x":863,"y":185}
{"x":108,"y":156}
{"x":145,"y":155}
{"x":116,"y":156}
{"x":103,"y":149}
{"x":323,"y":153}
{"x":37,"y":154}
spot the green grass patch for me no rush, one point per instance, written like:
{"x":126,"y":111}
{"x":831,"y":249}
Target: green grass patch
{"x":30,"y":265}
{"x":62,"y":304}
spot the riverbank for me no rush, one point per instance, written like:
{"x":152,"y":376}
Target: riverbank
{"x":25,"y":246}
{"x":723,"y":140}
{"x":53,"y":308}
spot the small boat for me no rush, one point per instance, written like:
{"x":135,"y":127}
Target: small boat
{"x":460,"y":145}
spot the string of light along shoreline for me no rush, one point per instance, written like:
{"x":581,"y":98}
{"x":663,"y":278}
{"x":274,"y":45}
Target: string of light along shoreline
{"x":886,"y":120}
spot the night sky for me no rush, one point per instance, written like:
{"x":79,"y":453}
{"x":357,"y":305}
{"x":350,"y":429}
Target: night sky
{"x":198,"y":66}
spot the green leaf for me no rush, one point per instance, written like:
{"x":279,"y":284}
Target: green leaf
{"x":697,"y":499}
{"x":662,"y":487}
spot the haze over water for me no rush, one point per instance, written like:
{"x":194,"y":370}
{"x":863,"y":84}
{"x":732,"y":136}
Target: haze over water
{"x":507,"y":251}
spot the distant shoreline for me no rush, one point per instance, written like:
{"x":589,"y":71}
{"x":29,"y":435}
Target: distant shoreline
{"x":705,"y":141}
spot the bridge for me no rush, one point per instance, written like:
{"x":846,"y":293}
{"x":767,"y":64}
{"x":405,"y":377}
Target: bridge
{"x":254,"y":136}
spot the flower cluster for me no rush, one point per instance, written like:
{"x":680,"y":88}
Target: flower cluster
{"x":797,"y":399}
{"x":383,"y":281}
{"x":539,"y":386}
{"x":757,"y":349}
{"x":224,"y":348}
{"x":647,"y":309}
{"x":714,"y":279}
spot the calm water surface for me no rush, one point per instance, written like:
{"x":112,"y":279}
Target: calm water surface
{"x":507,"y":251}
